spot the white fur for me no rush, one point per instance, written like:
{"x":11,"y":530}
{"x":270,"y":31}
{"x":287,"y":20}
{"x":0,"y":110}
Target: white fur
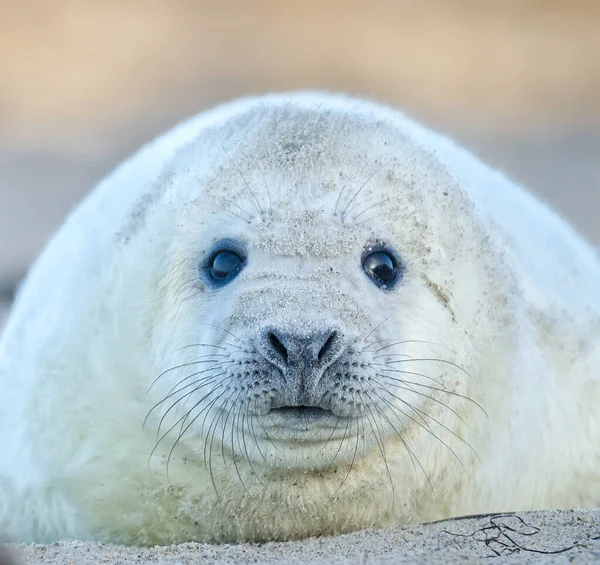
{"x":495,"y":284}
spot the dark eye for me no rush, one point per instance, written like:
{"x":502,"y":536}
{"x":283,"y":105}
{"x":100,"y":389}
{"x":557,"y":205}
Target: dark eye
{"x":382,"y":267}
{"x":223,"y":266}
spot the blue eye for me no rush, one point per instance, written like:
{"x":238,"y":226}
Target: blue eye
{"x":382,"y":268}
{"x":224,"y":263}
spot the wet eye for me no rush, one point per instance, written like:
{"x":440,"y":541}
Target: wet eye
{"x":382,"y":267}
{"x":225,"y":265}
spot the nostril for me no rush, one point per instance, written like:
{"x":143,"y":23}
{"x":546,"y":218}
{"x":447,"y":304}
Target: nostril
{"x":327,"y":346}
{"x":278,"y":346}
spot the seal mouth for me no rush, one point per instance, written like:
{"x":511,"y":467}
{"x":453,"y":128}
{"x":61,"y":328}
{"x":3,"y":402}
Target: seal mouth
{"x":301,"y":418}
{"x":302,"y":412}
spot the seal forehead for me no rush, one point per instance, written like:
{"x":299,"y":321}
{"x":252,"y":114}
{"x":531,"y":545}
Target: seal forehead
{"x":303,"y":233}
{"x":304,"y":139}
{"x":297,"y":173}
{"x":312,"y":182}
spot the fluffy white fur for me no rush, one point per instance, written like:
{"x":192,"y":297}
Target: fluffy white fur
{"x":495,"y":327}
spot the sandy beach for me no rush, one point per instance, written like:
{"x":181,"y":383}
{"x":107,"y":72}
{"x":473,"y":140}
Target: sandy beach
{"x":571,"y":536}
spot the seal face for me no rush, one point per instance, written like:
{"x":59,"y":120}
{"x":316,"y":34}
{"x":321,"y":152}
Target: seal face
{"x":298,"y":315}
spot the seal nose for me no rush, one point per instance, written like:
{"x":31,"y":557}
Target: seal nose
{"x":295,"y":350}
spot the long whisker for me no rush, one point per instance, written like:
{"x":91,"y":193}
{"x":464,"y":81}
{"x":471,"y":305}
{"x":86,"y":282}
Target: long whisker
{"x":378,"y":325}
{"x":197,"y":361}
{"x":222,"y":365}
{"x":325,"y":444}
{"x":344,"y":213}
{"x":255,"y":439}
{"x":259,"y":207}
{"x":235,"y":427}
{"x":431,"y":359}
{"x":339,"y":446}
{"x":229,"y":211}
{"x":426,"y":428}
{"x":438,"y":390}
{"x":407,"y":387}
{"x":402,"y":342}
{"x":380,"y":443}
{"x":197,"y":386}
{"x":227,"y":344}
{"x":172,"y":392}
{"x":414,"y":459}
{"x":210,"y":326}
{"x":265,"y":431}
{"x":183,"y":429}
{"x":210,"y":435}
{"x":389,"y":199}
{"x":353,"y":457}
{"x":182,"y":418}
{"x":240,"y":432}
{"x":371,"y":218}
{"x":343,"y":189}
{"x":394,"y":370}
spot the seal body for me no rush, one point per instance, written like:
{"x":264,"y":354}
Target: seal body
{"x":299,"y":315}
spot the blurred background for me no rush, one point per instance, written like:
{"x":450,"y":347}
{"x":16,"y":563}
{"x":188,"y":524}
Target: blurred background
{"x":85,"y":82}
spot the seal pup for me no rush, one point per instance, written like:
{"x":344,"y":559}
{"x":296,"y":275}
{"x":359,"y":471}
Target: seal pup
{"x":299,"y":315}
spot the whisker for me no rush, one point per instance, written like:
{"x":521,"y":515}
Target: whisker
{"x":394,"y":370}
{"x":450,"y":430}
{"x":380,"y":443}
{"x":389,"y":199}
{"x":325,"y":444}
{"x":259,"y":207}
{"x":253,"y":433}
{"x":197,"y":386}
{"x":224,"y":346}
{"x":248,"y":221}
{"x":353,"y":457}
{"x":342,"y":190}
{"x":434,"y":435}
{"x":339,"y":446}
{"x":371,"y":218}
{"x":402,"y":342}
{"x":240,"y":432}
{"x":414,"y":459}
{"x":322,"y":427}
{"x":183,"y":430}
{"x":224,"y":426}
{"x":430,"y":359}
{"x":413,"y":456}
{"x":218,"y":328}
{"x":379,"y":324}
{"x":180,"y":419}
{"x":171,"y":393}
{"x":265,"y":431}
{"x":426,"y":428}
{"x":452,"y":393}
{"x":212,"y":428}
{"x":222,"y":365}
{"x":363,"y":186}
{"x":236,"y":427}
{"x":407,"y":387}
{"x":408,"y":404}
{"x":183,"y":365}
